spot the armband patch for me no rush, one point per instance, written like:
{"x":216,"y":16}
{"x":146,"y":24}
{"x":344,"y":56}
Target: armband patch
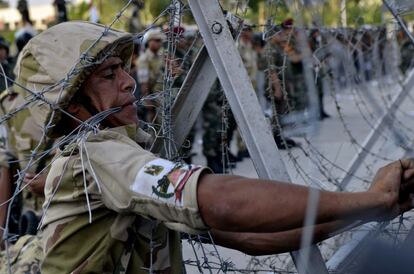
{"x":163,"y":179}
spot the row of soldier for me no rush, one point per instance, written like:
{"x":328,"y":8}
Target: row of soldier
{"x":274,"y":61}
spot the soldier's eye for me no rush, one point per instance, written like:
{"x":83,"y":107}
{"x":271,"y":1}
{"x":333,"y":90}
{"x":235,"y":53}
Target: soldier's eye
{"x":109,"y":76}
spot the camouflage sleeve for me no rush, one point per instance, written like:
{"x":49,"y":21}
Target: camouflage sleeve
{"x":134,"y":180}
{"x":143,"y":69}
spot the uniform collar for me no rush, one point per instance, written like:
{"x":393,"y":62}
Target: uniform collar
{"x":134,"y":132}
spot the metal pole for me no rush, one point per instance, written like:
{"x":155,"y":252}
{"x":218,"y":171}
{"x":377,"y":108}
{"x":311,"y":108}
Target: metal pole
{"x":399,"y":20}
{"x":256,"y":132}
{"x":238,"y":89}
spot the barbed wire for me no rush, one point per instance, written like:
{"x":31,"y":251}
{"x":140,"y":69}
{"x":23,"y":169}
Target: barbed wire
{"x":303,"y":160}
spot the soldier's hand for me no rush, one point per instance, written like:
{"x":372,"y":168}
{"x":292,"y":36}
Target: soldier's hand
{"x":395,"y":183}
{"x":36,"y":183}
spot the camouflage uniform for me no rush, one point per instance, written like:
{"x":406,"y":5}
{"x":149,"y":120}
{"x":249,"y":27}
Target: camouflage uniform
{"x":7,"y":162}
{"x":23,"y":136}
{"x":213,"y":113}
{"x":137,"y":204}
{"x":111,"y":210}
{"x":150,"y":69}
{"x":25,"y":256}
{"x":213,"y":132}
{"x":290,"y":76}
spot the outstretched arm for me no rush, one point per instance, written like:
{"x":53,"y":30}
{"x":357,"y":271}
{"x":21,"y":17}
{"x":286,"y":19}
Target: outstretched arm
{"x":237,"y":204}
{"x":257,"y":244}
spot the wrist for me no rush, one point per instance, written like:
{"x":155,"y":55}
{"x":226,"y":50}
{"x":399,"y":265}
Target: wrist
{"x":382,"y":205}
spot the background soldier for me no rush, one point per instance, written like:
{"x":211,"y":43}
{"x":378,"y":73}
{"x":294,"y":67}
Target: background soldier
{"x":23,"y":139}
{"x":279,"y":81}
{"x":217,"y":133}
{"x":150,"y":68}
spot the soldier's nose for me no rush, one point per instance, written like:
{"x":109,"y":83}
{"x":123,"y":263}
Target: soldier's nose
{"x":128,"y":83}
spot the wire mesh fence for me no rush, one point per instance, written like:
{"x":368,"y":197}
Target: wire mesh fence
{"x":338,"y":99}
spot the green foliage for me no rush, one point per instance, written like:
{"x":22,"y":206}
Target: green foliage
{"x":156,"y":7}
{"x":8,"y":35}
{"x":108,"y":9}
{"x":358,"y":12}
{"x":254,"y":5}
{"x":4,"y":3}
{"x":78,"y":12}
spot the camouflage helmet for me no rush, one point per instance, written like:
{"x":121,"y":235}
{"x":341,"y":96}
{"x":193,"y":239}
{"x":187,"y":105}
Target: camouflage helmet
{"x":55,"y":63}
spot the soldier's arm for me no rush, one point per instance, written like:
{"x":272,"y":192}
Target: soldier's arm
{"x":188,"y":198}
{"x":5,"y":194}
{"x":257,"y":244}
{"x":237,"y":204}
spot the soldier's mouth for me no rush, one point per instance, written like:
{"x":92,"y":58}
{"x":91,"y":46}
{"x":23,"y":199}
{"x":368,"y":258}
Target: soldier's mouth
{"x":129,"y":103}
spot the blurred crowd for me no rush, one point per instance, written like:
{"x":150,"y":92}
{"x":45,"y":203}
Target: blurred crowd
{"x":276,"y":61}
{"x":287,"y":65}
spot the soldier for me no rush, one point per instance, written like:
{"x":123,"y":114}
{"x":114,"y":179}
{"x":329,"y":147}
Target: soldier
{"x":150,"y":69}
{"x":279,"y":80}
{"x":114,"y":207}
{"x":315,"y":44}
{"x":21,"y":141}
{"x":6,"y":188}
{"x":216,"y":132}
{"x":294,"y":66}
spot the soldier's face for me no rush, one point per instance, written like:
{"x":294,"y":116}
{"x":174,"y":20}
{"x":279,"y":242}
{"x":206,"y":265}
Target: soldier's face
{"x":155,"y":44}
{"x":111,"y":86}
